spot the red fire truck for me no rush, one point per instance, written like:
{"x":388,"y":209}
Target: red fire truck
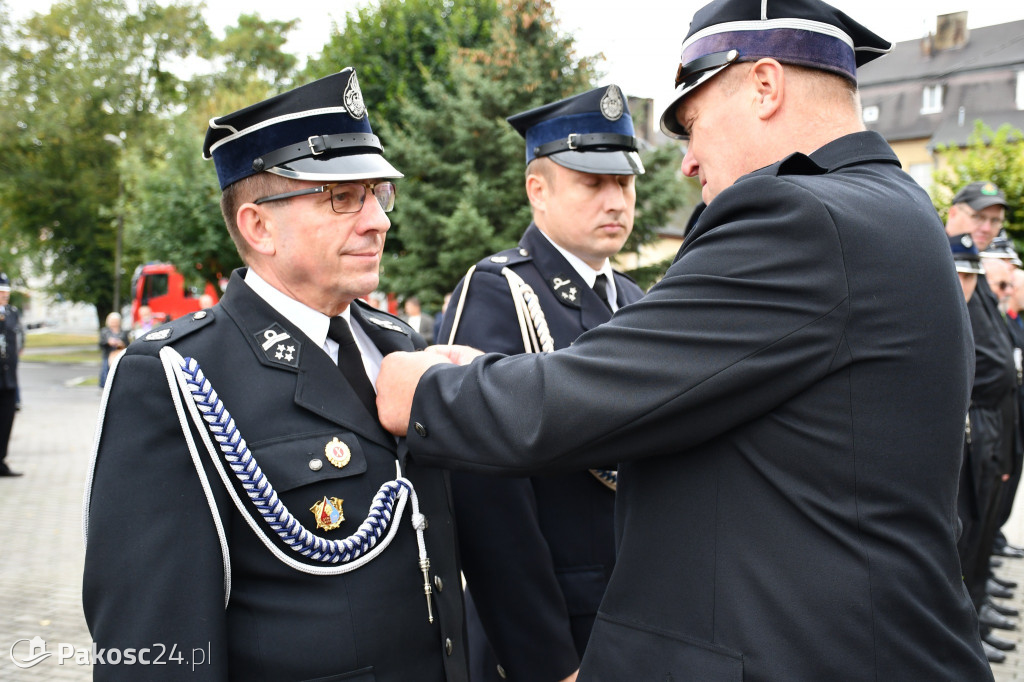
{"x":161,"y":287}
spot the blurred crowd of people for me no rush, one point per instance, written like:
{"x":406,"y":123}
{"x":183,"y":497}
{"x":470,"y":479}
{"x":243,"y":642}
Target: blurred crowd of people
{"x":990,"y":273}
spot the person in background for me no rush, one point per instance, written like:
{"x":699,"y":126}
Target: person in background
{"x":113,"y":340}
{"x":538,"y":552}
{"x":414,"y":317}
{"x":12,"y":343}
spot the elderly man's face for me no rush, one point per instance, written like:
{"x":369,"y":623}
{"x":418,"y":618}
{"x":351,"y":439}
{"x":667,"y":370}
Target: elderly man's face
{"x":322,"y":258}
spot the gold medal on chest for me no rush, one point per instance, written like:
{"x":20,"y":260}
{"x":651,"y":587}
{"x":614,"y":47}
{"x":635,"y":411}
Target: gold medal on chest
{"x":338,"y":453}
{"x":328,"y":513}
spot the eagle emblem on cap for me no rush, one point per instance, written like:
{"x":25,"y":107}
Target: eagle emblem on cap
{"x":354,"y":98}
{"x":967,"y":241}
{"x":611,"y":104}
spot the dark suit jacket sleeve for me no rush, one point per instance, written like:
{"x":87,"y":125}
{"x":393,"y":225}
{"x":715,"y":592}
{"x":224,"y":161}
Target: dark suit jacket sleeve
{"x":154,"y":576}
{"x":727,"y":334}
{"x":506,"y":560}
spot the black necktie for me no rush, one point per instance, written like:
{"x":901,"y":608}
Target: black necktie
{"x":601,"y":289}
{"x":350,"y":362}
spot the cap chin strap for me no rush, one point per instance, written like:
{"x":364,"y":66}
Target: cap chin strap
{"x":316,"y":145}
{"x":587,"y":142}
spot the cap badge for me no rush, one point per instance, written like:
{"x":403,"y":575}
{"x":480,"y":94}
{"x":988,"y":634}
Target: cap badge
{"x":338,"y":453}
{"x":279,"y":346}
{"x":328,"y":513}
{"x":354,"y":98}
{"x":611,"y":104}
{"x":988,"y":189}
{"x":967,"y":241}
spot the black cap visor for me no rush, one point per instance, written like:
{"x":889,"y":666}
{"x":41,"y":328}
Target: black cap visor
{"x":688,"y":78}
{"x":337,"y":168}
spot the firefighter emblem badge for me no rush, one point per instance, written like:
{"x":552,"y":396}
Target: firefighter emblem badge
{"x":338,"y":453}
{"x":328,"y":513}
{"x":354,"y":98}
{"x":611,"y":104}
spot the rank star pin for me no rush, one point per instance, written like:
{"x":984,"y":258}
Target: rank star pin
{"x":328,"y":513}
{"x":339,"y":454}
{"x":287,"y":353}
{"x":570,"y":294}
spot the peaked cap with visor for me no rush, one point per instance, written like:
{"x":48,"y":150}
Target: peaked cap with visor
{"x":807,"y":33}
{"x":318,"y":131}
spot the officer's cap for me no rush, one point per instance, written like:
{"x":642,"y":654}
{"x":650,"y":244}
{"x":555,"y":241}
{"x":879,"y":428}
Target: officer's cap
{"x":1002,"y":247}
{"x":591,"y":132}
{"x":318,"y":131}
{"x":965,"y":254}
{"x":5,"y":282}
{"x":981,"y":195}
{"x":802,"y":32}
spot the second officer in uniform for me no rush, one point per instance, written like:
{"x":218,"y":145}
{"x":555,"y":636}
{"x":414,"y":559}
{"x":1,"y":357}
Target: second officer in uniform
{"x":538,"y":551}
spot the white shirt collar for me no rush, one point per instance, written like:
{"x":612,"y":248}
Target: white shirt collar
{"x":588,"y":273}
{"x":311,"y":322}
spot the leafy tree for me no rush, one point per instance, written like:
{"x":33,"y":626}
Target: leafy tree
{"x":463,"y":194}
{"x":81,"y":84}
{"x":989,"y":155}
{"x":396,"y":46}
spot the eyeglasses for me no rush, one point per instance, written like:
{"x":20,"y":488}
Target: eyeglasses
{"x":981,"y":220}
{"x":346,"y":197}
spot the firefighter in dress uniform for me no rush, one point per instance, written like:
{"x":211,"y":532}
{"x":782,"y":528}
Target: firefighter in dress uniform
{"x":245,"y":506}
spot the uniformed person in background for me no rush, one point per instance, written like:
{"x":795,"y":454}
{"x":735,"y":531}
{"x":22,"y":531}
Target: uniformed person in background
{"x":12,"y":341}
{"x":786,"y":405}
{"x":241,"y":540}
{"x":537,"y":552}
{"x":978,"y":209}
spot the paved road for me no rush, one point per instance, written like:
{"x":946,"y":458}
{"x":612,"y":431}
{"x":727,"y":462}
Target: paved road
{"x":41,"y":549}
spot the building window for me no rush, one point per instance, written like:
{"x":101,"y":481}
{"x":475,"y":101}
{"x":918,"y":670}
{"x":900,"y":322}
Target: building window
{"x":1020,"y":90}
{"x":932,"y":101}
{"x":870,"y":114}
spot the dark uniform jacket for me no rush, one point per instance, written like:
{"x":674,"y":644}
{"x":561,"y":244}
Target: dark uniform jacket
{"x":537,"y":552}
{"x":13,"y":339}
{"x":787,"y":408}
{"x":154,"y":573}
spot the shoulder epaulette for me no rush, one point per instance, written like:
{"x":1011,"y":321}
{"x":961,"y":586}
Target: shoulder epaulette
{"x":496,"y":262}
{"x":152,"y":341}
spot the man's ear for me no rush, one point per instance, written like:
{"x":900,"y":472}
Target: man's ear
{"x":537,"y":191}
{"x":256,"y":225}
{"x":769,"y":80}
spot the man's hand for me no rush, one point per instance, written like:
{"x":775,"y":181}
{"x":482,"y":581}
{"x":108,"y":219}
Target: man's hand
{"x":460,"y":355}
{"x":396,"y":384}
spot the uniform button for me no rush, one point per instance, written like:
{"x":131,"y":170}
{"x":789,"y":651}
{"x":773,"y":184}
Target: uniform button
{"x":501,"y":672}
{"x":200,"y":315}
{"x":448,"y":645}
{"x":438,"y":583}
{"x":420,"y":429}
{"x":524,"y":252}
{"x":315,"y":464}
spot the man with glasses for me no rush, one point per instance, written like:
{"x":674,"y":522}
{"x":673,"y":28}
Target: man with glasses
{"x":258,"y":519}
{"x":786,"y":404}
{"x":979,"y":209}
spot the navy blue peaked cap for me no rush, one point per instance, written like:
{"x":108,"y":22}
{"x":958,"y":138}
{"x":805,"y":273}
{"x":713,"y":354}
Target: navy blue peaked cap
{"x":5,"y":282}
{"x":807,"y":33}
{"x":591,"y":132}
{"x":318,"y":131}
{"x":965,"y":254}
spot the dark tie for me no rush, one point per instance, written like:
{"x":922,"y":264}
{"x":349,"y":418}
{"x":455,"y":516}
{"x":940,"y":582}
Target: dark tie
{"x":601,"y":289}
{"x":350,"y":362}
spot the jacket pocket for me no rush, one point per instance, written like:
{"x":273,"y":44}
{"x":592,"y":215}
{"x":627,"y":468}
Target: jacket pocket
{"x":624,"y":651}
{"x":295,"y":461}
